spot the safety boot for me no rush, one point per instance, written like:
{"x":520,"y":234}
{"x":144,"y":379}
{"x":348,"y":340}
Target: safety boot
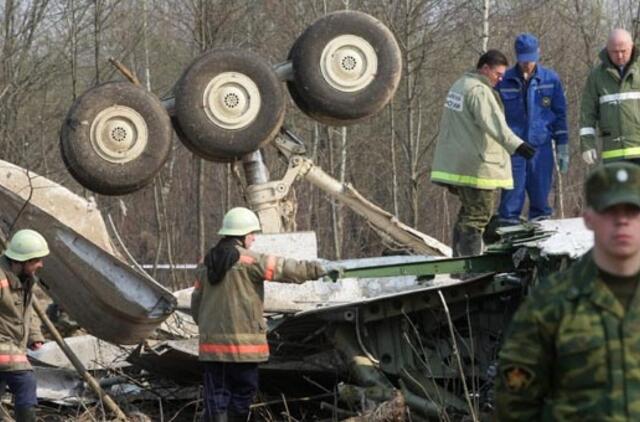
{"x":221,"y":417}
{"x":467,"y":241}
{"x":238,"y":417}
{"x":26,"y":414}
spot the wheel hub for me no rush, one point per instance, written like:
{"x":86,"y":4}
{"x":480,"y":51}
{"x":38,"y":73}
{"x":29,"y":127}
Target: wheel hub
{"x":118,"y":134}
{"x":231,"y":100}
{"x":349,"y":63}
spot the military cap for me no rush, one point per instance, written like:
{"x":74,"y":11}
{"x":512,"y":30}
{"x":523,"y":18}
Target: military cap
{"x":613,"y":184}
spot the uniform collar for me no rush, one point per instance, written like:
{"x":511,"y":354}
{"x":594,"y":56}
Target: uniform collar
{"x":474,"y":74}
{"x":588,"y":283}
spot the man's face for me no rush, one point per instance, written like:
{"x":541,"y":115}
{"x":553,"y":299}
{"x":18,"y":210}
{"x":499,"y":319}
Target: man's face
{"x":527,"y":67}
{"x":619,"y":51}
{"x":248,"y":240}
{"x":616,"y":230}
{"x":493,"y":73}
{"x":30,"y":267}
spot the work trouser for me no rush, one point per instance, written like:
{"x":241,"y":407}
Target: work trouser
{"x":534,"y":178}
{"x":476,"y":208}
{"x":22,"y":384}
{"x":229,"y":386}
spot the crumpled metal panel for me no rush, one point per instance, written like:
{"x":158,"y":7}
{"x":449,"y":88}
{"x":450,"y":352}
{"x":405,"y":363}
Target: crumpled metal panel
{"x":83,"y":273}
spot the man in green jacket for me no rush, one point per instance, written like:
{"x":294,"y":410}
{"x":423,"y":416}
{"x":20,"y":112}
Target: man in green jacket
{"x":18,"y":329}
{"x":473,"y":151}
{"x":572,"y":351}
{"x":227,"y":305}
{"x":611,"y":103}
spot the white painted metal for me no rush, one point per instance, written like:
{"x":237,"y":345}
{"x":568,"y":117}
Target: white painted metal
{"x":119,"y":134}
{"x":349,"y":63}
{"x":231,"y":100}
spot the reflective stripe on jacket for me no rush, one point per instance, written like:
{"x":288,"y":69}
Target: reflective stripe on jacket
{"x":571,"y":350}
{"x":537,"y":113}
{"x":18,"y":326}
{"x":229,"y":314}
{"x":610,"y":108}
{"x":474,"y":144}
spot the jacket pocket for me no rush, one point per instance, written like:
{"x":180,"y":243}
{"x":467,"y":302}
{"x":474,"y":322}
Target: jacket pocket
{"x":582,"y":358}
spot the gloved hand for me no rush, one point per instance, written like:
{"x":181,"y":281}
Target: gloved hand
{"x":562,"y":157}
{"x":333,"y":271}
{"x":590,"y":156}
{"x":526,"y":150}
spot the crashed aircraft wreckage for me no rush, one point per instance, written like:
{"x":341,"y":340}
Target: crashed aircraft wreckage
{"x":84,"y":273}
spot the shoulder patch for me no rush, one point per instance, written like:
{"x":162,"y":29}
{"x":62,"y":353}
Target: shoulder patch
{"x":517,"y":378}
{"x":454,"y":101}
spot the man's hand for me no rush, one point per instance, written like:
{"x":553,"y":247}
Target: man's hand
{"x":562,"y":157}
{"x":36,"y":345}
{"x":333,"y":271}
{"x":526,"y":150}
{"x":590,"y":156}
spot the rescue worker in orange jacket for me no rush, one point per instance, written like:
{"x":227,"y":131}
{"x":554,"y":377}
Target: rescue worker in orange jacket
{"x":227,"y":305}
{"x":18,"y":329}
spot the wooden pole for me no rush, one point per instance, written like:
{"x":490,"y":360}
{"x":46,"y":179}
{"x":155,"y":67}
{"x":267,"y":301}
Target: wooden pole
{"x":106,"y":399}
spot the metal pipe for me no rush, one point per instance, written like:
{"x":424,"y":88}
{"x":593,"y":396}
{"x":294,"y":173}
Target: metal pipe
{"x":255,"y":170}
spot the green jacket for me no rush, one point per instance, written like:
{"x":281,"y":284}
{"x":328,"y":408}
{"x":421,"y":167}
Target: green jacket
{"x":18,"y":328}
{"x":612,"y":105}
{"x":475,"y":143}
{"x":571,"y":353}
{"x":229,"y":313}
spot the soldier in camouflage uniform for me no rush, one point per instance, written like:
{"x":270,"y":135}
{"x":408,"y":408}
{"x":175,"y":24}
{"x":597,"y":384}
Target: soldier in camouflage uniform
{"x":227,"y":305}
{"x":18,"y":328}
{"x":573,"y":347}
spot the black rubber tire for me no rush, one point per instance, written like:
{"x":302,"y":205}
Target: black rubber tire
{"x":185,"y":141}
{"x":93,"y":171}
{"x":311,"y":92}
{"x":206,"y":138}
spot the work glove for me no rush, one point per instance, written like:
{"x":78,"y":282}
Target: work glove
{"x":590,"y":156}
{"x":332,"y":270}
{"x":526,"y":150}
{"x":562,"y":157}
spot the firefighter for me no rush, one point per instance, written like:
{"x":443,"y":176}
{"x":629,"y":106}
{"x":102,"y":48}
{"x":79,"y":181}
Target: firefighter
{"x":473,"y":149}
{"x":19,"y":329}
{"x":535,"y":108}
{"x":572,"y":351}
{"x":610,"y":103}
{"x":227,"y":305}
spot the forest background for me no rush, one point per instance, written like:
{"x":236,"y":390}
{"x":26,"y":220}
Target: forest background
{"x":51,"y":51}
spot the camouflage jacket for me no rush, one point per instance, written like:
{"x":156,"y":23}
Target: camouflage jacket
{"x":229,"y":313}
{"x":18,"y":328}
{"x":572,"y":353}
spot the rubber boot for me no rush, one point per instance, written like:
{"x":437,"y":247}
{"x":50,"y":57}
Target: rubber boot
{"x":238,"y":417}
{"x":470,"y":242}
{"x":221,"y":417}
{"x":467,"y":242}
{"x":26,"y":414}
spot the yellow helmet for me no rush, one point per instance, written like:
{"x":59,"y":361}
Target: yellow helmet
{"x":27,"y":244}
{"x":239,"y":221}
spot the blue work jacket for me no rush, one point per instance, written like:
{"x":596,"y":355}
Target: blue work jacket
{"x":537,"y":113}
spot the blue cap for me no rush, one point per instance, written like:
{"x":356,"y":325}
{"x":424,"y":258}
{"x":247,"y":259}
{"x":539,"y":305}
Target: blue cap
{"x":527,"y":48}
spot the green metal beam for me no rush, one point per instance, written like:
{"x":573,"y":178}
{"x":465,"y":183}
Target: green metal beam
{"x":488,"y":263}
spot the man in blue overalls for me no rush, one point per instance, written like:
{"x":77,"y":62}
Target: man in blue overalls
{"x":535,"y":108}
